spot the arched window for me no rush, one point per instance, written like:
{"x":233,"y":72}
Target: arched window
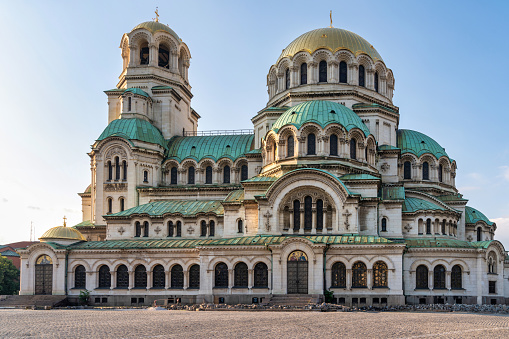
{"x":137,"y":227}
{"x":212,"y":228}
{"x":170,"y":228}
{"x":479,"y":234}
{"x":144,"y":54}
{"x":158,"y":277}
{"x":333,"y":143}
{"x":122,"y":204}
{"x":311,"y":144}
{"x":290,"y":147}
{"x":179,"y":228}
{"x":194,"y":276}
{"x":145,"y":176}
{"x":173,"y":176}
{"x":164,"y":57}
{"x":287,"y":78}
{"x":343,"y":72}
{"x":362,"y":76}
{"x":338,"y":275}
{"x":243,"y":173}
{"x":440,"y":172}
{"x":208,"y":175}
{"x":240,"y":227}
{"x":380,"y":274}
{"x":425,"y":171}
{"x":303,"y":74}
{"x":308,"y":214}
{"x":407,"y":170}
{"x":319,"y":214}
{"x":439,"y":277}
{"x":80,"y":277}
{"x":456,"y":279}
{"x":384,"y":224}
{"x":122,"y":277}
{"x":117,"y":168}
{"x":274,"y":151}
{"x":443,"y":227}
{"x":492,"y":263}
{"x":322,"y":71}
{"x":428,"y":226}
{"x":104,"y":277}
{"x":296,"y":215}
{"x":261,"y":275}
{"x":124,"y":170}
{"x":359,"y":275}
{"x":221,"y":275}
{"x":226,"y":174}
{"x":110,"y":205}
{"x":376,"y":82}
{"x":353,"y":149}
{"x":190,"y":175}
{"x":421,"y":277}
{"x":145,"y":229}
{"x":110,"y":171}
{"x":177,"y":277}
{"x":203,"y":228}
{"x":140,"y":277}
{"x":240,"y":275}
{"x":129,"y":104}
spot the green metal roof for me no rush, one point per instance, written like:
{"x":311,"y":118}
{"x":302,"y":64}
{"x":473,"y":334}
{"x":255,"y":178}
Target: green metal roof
{"x":387,"y":148}
{"x":261,"y":179}
{"x":235,"y":196}
{"x":9,"y":253}
{"x":320,"y":112}
{"x":137,"y":91}
{"x":446,"y":243}
{"x":363,"y":105}
{"x":358,"y":177}
{"x":153,"y":27}
{"x":320,"y":170}
{"x":86,"y":223}
{"x":184,"y":207}
{"x":392,"y":193}
{"x":472,"y":216}
{"x":214,"y":147}
{"x":418,"y":144}
{"x":411,"y":205}
{"x":162,"y":87}
{"x":451,"y":197}
{"x":255,"y":151}
{"x":134,"y":129}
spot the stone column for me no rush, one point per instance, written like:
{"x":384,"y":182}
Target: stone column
{"x":430,"y":279}
{"x":300,"y":144}
{"x":349,"y":279}
{"x":113,"y":279}
{"x":281,"y":149}
{"x":294,"y":76}
{"x":186,"y":280}
{"x":370,"y":76}
{"x":131,"y":279}
{"x":199,"y":176}
{"x":174,"y":62}
{"x":333,"y":75}
{"x":250,"y":280}
{"x":312,"y":70}
{"x":132,"y":55}
{"x":369,"y":278}
{"x":167,"y":279}
{"x":280,"y":82}
{"x":291,"y":219}
{"x":149,"y":279}
{"x":152,"y":54}
{"x":313,"y":223}
{"x":353,"y":74}
{"x":231,"y":279}
{"x":301,"y":226}
{"x":448,"y":280}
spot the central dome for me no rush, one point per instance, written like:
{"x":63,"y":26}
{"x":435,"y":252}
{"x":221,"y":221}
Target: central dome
{"x":154,"y":26}
{"x":333,"y":39}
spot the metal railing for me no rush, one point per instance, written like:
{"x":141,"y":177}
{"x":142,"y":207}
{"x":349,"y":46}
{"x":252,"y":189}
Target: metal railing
{"x":218,"y":132}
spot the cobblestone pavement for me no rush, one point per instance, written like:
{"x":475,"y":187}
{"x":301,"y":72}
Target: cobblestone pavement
{"x":184,"y":324}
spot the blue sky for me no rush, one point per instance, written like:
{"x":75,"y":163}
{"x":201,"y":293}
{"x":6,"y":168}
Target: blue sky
{"x":448,"y":59}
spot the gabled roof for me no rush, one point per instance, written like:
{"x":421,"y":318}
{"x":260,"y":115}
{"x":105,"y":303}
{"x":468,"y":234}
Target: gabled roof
{"x":358,"y":177}
{"x":134,"y":129}
{"x":446,"y":243}
{"x":411,"y":205}
{"x":472,"y":216}
{"x":418,"y":144}
{"x":86,"y":223}
{"x":183,"y":207}
{"x":9,"y":253}
{"x":235,"y":196}
{"x":137,"y":91}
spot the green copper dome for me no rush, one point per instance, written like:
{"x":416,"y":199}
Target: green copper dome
{"x":322,"y":113}
{"x":418,"y":144}
{"x":153,"y":27}
{"x":134,"y":129}
{"x":333,"y":39}
{"x":472,"y":216}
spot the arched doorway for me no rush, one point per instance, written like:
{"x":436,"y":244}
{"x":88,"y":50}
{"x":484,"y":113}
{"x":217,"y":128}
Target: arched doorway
{"x":297,"y":273}
{"x":43,"y":275}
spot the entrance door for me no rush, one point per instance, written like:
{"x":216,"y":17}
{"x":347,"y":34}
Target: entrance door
{"x":43,"y":275}
{"x":297,"y":273}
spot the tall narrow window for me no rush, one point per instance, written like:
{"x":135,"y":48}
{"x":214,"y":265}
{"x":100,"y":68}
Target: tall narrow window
{"x":287,"y":78}
{"x":117,"y":169}
{"x":479,"y":234}
{"x":243,"y":173}
{"x":110,"y":205}
{"x":158,"y":277}
{"x":456,"y":279}
{"x":144,"y":55}
{"x":140,"y":277}
{"x":226,"y":174}
{"x":194,"y":276}
{"x":425,"y":171}
{"x":122,"y":204}
{"x":338,"y":275}
{"x":177,"y":277}
{"x":179,"y":228}
{"x":353,"y":149}
{"x":122,"y":277}
{"x":311,"y":144}
{"x":343,"y":72}
{"x":380,"y":274}
{"x":319,"y":214}
{"x":362,"y":76}
{"x":376,"y":82}
{"x":129,"y":105}
{"x":384,"y":224}
{"x":190,"y":175}
{"x":104,"y":277}
{"x":296,"y":215}
{"x":333,"y":143}
{"x":290,"y":146}
{"x":203,"y":228}
{"x":137,"y":227}
{"x":303,"y":74}
{"x":208,"y":175}
{"x":173,"y":176}
{"x":240,"y":275}
{"x":261,"y":275}
{"x":274,"y":151}
{"x":421,"y":277}
{"x":443,"y":226}
{"x":80,"y":277}
{"x":170,"y":228}
{"x":110,"y":171}
{"x":124,"y":170}
{"x":164,"y":57}
{"x":440,"y":173}
{"x":407,"y":170}
{"x":212,"y":228}
{"x":439,"y":277}
{"x":145,"y":229}
{"x":322,"y":71}
{"x":145,"y":176}
{"x":308,"y":214}
{"x":240,"y":227}
{"x":428,"y":226}
{"x":221,"y":275}
{"x":359,"y":275}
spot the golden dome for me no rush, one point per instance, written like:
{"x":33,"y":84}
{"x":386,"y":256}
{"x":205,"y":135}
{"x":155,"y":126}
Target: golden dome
{"x":333,"y":39}
{"x":64,"y":233}
{"x":154,"y":26}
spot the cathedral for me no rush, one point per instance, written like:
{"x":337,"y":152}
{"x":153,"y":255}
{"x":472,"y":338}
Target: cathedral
{"x":325,"y":195}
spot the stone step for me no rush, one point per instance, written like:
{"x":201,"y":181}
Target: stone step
{"x":32,"y":300}
{"x":298,"y":300}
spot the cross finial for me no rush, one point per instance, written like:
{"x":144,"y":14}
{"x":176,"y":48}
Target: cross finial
{"x":331,"y":20}
{"x":156,"y":19}
{"x":64,"y":221}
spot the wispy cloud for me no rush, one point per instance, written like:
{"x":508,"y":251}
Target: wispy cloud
{"x":34,"y":207}
{"x":505,"y":172}
{"x":4,"y":200}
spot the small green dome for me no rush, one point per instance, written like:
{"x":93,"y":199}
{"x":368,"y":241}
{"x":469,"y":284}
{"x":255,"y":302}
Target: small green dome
{"x":134,"y":129}
{"x":472,"y":216}
{"x":418,"y":144}
{"x":322,"y":113}
{"x":154,"y":26}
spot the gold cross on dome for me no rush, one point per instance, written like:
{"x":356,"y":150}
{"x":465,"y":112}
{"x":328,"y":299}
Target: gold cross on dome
{"x":331,"y":20}
{"x":65,"y":220}
{"x":156,"y":19}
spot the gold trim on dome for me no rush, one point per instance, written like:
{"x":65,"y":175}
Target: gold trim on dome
{"x":62,"y":232}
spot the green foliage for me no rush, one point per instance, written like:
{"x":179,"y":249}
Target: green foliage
{"x":84,"y":297}
{"x":329,"y":295}
{"x":9,"y":277}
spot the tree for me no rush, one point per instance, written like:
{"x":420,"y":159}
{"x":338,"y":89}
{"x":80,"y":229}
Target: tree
{"x":9,"y":277}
